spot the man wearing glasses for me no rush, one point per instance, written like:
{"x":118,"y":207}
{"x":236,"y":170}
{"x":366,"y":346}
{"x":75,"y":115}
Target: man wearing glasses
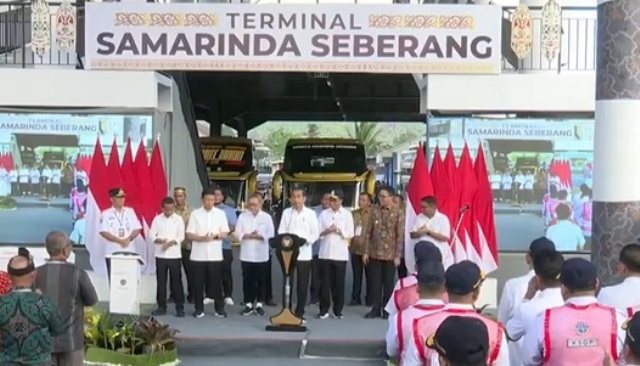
{"x":383,"y":250}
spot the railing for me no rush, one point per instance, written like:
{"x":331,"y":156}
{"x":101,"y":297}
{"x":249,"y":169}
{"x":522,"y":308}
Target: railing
{"x":577,"y":46}
{"x":16,"y":37}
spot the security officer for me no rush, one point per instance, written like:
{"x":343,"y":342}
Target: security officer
{"x":461,"y":340}
{"x":119,"y":226}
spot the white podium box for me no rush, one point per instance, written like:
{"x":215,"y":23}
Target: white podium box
{"x":40,"y":256}
{"x":124,"y":293}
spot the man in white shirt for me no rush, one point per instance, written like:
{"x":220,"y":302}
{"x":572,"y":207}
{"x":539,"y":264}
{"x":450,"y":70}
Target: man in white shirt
{"x":547,"y":265}
{"x":254,"y":228}
{"x":54,"y":187}
{"x":507,"y":184}
{"x":516,"y":288}
{"x":631,"y":350}
{"x":336,"y":230}
{"x":23,"y":180}
{"x":527,"y":187}
{"x":5,"y":186}
{"x":45,"y":181}
{"x":167,"y":232}
{"x":564,"y":232}
{"x":13,"y":177}
{"x":301,"y":221}
{"x":432,"y":226}
{"x":496,"y":184}
{"x":579,"y":332}
{"x":518,"y":182}
{"x":119,"y":226}
{"x":206,"y":229}
{"x":316,"y":276}
{"x":34,"y":174}
{"x":626,"y":294}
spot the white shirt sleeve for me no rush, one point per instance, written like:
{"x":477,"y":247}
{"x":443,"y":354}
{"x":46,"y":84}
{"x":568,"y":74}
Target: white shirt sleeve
{"x":314,"y":231}
{"x":348,"y":231}
{"x":223,"y":227}
{"x":191,"y":225}
{"x":324,"y":221}
{"x":281,"y":228}
{"x":133,"y":219}
{"x":270,"y":232}
{"x":153,"y":232}
{"x":516,"y":326}
{"x":503,"y":356}
{"x":581,"y":239}
{"x":506,"y":303}
{"x":416,"y":224}
{"x":532,"y":347}
{"x":411,"y":356}
{"x":391,"y":338}
{"x":240,"y":231}
{"x":180,"y":234}
{"x":104,"y":223}
{"x":621,"y":317}
{"x":390,"y":308}
{"x":444,"y":227}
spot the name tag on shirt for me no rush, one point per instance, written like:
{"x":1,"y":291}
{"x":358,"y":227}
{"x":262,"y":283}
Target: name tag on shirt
{"x":358,"y":231}
{"x":121,"y":232}
{"x":582,"y":343}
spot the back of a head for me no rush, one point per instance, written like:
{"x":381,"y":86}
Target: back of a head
{"x":461,"y":341}
{"x":426,"y":251}
{"x":547,"y":265}
{"x":431,"y":277}
{"x":630,"y":257}
{"x":463,"y":278}
{"x":21,"y":270}
{"x":540,"y":244}
{"x":56,"y":242}
{"x":579,"y":275}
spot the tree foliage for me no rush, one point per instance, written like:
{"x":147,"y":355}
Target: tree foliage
{"x":368,"y":133}
{"x":313,"y":130}
{"x":276,"y":140}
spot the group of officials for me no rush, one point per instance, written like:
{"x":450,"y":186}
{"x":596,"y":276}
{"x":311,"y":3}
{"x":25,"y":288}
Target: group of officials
{"x":556,"y":315}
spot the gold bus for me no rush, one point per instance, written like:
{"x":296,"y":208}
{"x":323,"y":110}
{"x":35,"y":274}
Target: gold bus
{"x":320,"y":166}
{"x":230,"y":165}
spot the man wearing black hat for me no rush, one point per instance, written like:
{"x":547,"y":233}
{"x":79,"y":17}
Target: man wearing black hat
{"x":405,"y":294}
{"x":461,"y":341}
{"x":462,"y":282}
{"x":631,"y":350}
{"x":582,"y":331}
{"x":430,"y":289}
{"x":119,"y":226}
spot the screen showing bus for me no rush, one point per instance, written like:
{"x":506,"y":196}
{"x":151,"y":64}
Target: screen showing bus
{"x":328,"y":158}
{"x":220,"y":157}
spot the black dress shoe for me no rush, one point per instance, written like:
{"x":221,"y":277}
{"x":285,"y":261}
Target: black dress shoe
{"x":180,"y":313}
{"x":355,"y":303}
{"x":372,"y":314}
{"x":385,"y":315}
{"x":190,"y":299}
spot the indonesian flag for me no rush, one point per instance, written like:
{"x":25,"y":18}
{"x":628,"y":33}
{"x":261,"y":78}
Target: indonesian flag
{"x":97,"y":201}
{"x":160,"y":190}
{"x":483,"y":212}
{"x":561,"y":169}
{"x":114,"y":179}
{"x":467,"y":197}
{"x":442,"y":191}
{"x":419,"y":186}
{"x":148,"y":206}
{"x":457,"y":240}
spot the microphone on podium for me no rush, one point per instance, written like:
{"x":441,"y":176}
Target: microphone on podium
{"x":464,"y":208}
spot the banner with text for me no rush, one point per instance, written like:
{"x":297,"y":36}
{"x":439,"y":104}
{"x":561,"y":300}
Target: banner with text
{"x":518,"y":129}
{"x":449,"y":39}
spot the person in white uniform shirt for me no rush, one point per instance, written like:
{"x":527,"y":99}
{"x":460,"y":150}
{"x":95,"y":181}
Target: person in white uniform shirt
{"x":496,"y":184}
{"x":34,"y":174}
{"x":567,"y":234}
{"x":518,"y":182}
{"x":119,"y":226}
{"x":301,"y":221}
{"x":167,"y":232}
{"x":336,"y":230}
{"x":254,"y":228}
{"x":527,"y":187}
{"x":433,"y":226}
{"x":206,"y":229}
{"x":547,"y":265}
{"x":631,"y":350}
{"x":626,"y":294}
{"x":13,"y":178}
{"x":23,"y":180}
{"x":516,"y":288}
{"x":54,"y":187}
{"x":507,"y":184}
{"x":580,"y":331}
{"x":45,"y":181}
{"x":5,"y":186}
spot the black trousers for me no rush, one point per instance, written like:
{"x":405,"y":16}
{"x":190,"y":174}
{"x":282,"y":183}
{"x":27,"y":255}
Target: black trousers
{"x":207,"y":275}
{"x":108,"y":260}
{"x":303,"y":272}
{"x":402,"y":269}
{"x":254,"y":278}
{"x":332,"y":285}
{"x":359,"y":269}
{"x":172,"y":267}
{"x":382,"y":277}
{"x":227,"y":277}
{"x":187,"y":264}
{"x":316,"y":279}
{"x":15,"y":190}
{"x":268,"y":284}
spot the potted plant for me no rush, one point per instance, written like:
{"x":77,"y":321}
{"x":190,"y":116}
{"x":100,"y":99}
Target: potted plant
{"x":128,"y":342}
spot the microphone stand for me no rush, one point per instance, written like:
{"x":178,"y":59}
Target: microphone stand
{"x":455,"y":232}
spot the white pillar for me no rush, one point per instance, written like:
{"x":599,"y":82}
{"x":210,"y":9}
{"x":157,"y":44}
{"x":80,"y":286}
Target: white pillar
{"x":616,"y":186}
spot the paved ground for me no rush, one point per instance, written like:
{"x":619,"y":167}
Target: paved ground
{"x":200,"y":361}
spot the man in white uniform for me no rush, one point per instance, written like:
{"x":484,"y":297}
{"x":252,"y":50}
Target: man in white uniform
{"x":516,"y":288}
{"x":547,"y":265}
{"x":432,"y":226}
{"x":518,"y":182}
{"x":565,"y":232}
{"x":254,"y":228}
{"x":13,"y":178}
{"x":336,"y":230}
{"x":527,"y":187}
{"x":5,"y":186}
{"x":54,"y":187}
{"x":626,"y":294}
{"x":23,"y":180}
{"x":496,"y":184}
{"x":507,"y":184}
{"x":119,"y":226}
{"x":167,"y":232}
{"x":301,"y":221}
{"x":206,"y":229}
{"x":45,"y":181}
{"x":34,"y":174}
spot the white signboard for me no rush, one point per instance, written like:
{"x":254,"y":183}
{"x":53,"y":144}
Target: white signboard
{"x":48,"y":124}
{"x":486,"y":129}
{"x":445,"y":39}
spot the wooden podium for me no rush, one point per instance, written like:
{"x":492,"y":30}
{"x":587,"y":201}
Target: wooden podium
{"x":124,"y":284}
{"x":287,"y":247}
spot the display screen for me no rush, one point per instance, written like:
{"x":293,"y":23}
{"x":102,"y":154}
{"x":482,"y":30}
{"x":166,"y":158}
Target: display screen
{"x":327,"y":158}
{"x":535,"y":166}
{"x":45,"y":165}
{"x":227,"y":157}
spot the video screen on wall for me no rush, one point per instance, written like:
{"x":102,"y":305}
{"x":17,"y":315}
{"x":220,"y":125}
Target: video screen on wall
{"x":45,"y":168}
{"x":540,"y":172}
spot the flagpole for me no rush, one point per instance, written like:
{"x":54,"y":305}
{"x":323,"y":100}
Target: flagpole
{"x":458,"y":224}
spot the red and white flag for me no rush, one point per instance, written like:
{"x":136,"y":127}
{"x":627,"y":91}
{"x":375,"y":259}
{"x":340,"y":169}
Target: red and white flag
{"x":457,"y":240}
{"x":114,"y":179}
{"x":467,"y":198}
{"x":442,"y":191}
{"x":158,"y":176}
{"x":419,"y":186}
{"x":483,"y":212}
{"x":97,"y":201}
{"x":147,"y":206}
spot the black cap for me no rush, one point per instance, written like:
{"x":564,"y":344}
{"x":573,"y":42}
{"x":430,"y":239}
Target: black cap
{"x":336,"y":194}
{"x":632,"y":329}
{"x":116,"y":192}
{"x":426,"y":251}
{"x":461,"y":340}
{"x":578,"y":274}
{"x":463,"y":277}
{"x":431,"y":272}
{"x":540,"y":244}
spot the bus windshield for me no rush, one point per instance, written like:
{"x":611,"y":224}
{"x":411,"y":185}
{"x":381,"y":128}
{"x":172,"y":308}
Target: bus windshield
{"x":326,"y":158}
{"x":315,"y":191}
{"x":233,"y":190}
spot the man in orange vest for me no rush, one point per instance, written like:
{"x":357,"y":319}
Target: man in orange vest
{"x":462,"y":282}
{"x":461,"y":340}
